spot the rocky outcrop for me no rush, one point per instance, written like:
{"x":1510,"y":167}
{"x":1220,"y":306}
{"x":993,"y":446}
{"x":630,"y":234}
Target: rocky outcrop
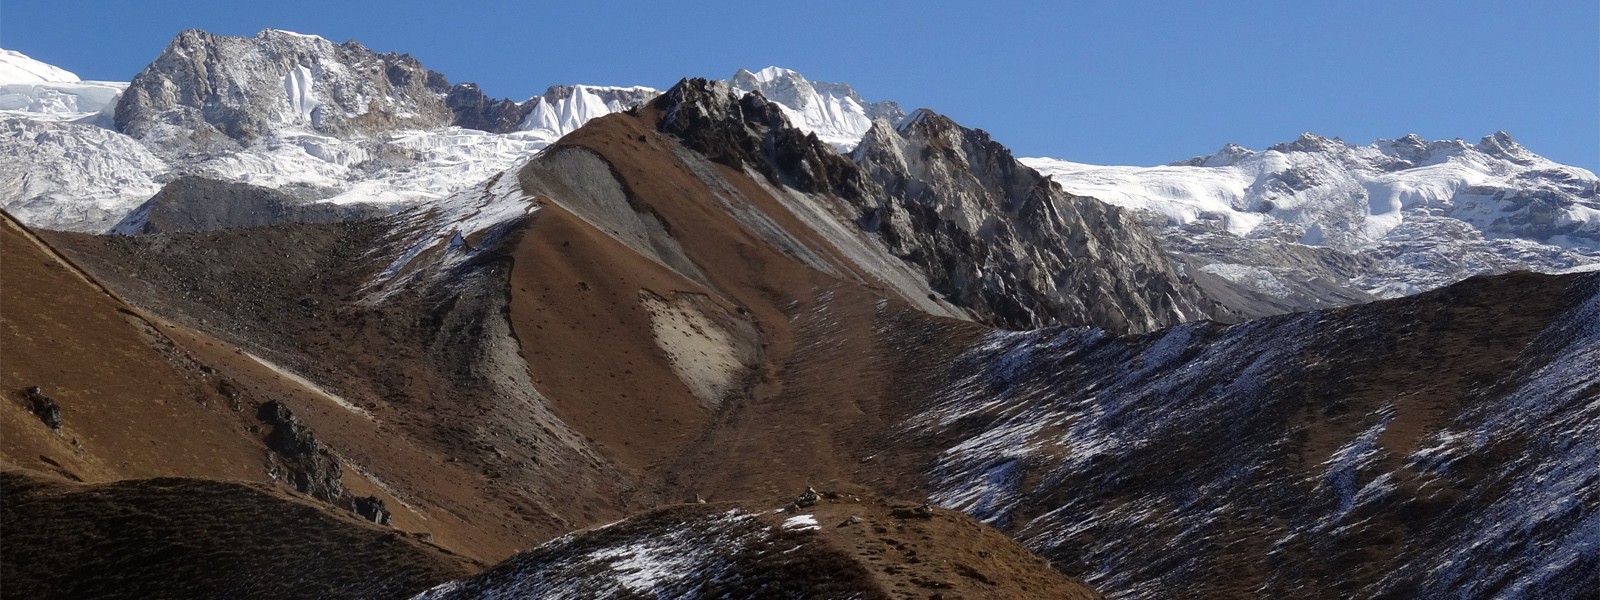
{"x":43,"y":407}
{"x":990,"y":234}
{"x":747,"y":131}
{"x":998,"y":236}
{"x":211,"y":91}
{"x":297,"y":458}
{"x":371,"y":508}
{"x":475,"y":110}
{"x":194,"y":203}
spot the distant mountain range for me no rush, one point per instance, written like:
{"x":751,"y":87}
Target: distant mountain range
{"x":289,"y":318}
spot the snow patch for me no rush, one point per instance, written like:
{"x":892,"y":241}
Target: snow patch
{"x":299,"y":86}
{"x":801,"y":523}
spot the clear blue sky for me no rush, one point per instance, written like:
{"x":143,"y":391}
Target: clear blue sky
{"x":1108,"y":82}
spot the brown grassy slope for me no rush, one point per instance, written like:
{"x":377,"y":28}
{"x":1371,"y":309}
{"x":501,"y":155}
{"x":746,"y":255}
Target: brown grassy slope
{"x":191,"y":538}
{"x":142,"y":396}
{"x":826,"y":373}
{"x":132,"y":403}
{"x":939,"y":553}
{"x":588,"y":341}
{"x":438,"y":434}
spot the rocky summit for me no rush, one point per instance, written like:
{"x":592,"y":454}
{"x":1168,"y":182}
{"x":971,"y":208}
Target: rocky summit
{"x":289,"y":318}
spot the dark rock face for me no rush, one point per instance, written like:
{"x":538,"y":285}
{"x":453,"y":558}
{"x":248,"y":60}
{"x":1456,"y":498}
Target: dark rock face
{"x":474,"y":110}
{"x":207,"y":91}
{"x":298,"y":458}
{"x":370,"y":508}
{"x":193,"y":203}
{"x":43,"y":407}
{"x":748,"y":131}
{"x":996,"y":235}
{"x":306,"y":465}
{"x":990,"y":234}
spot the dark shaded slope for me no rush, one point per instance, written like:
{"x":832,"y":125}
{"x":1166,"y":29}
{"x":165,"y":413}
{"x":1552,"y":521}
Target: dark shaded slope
{"x":193,"y":203}
{"x":1417,"y":447}
{"x":190,"y":538}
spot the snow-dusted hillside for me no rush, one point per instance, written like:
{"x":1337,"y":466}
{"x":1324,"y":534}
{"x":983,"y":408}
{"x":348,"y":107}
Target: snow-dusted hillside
{"x":1425,"y":213}
{"x":1441,"y":445}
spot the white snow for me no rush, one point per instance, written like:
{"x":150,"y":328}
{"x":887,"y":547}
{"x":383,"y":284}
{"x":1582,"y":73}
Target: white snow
{"x":555,"y":118}
{"x":311,"y":386}
{"x":16,"y":67}
{"x":481,"y":211}
{"x":1412,"y":202}
{"x":801,"y":522}
{"x":299,"y":88}
{"x":1182,"y":195}
{"x":72,"y":176}
{"x":41,"y":91}
{"x":835,"y":118}
{"x":672,"y":560}
{"x":298,"y":35}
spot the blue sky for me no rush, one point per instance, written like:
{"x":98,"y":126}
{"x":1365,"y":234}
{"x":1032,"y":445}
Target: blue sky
{"x":1108,"y":82}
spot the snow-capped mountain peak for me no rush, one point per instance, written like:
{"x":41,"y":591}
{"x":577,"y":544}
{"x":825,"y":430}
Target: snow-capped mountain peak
{"x":833,"y":111}
{"x":564,"y":108}
{"x":1427,"y":213}
{"x":16,"y":67}
{"x":1500,"y":145}
{"x":241,"y":89}
{"x":269,"y":32}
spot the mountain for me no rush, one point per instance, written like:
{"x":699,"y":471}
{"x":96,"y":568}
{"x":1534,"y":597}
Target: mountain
{"x":833,"y":111}
{"x":132,"y":468}
{"x":192,"y":203}
{"x":606,"y":366}
{"x":1392,"y":218}
{"x":205,"y":90}
{"x":318,"y":120}
{"x":446,"y":346}
{"x":993,"y":233}
{"x":987,"y":233}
